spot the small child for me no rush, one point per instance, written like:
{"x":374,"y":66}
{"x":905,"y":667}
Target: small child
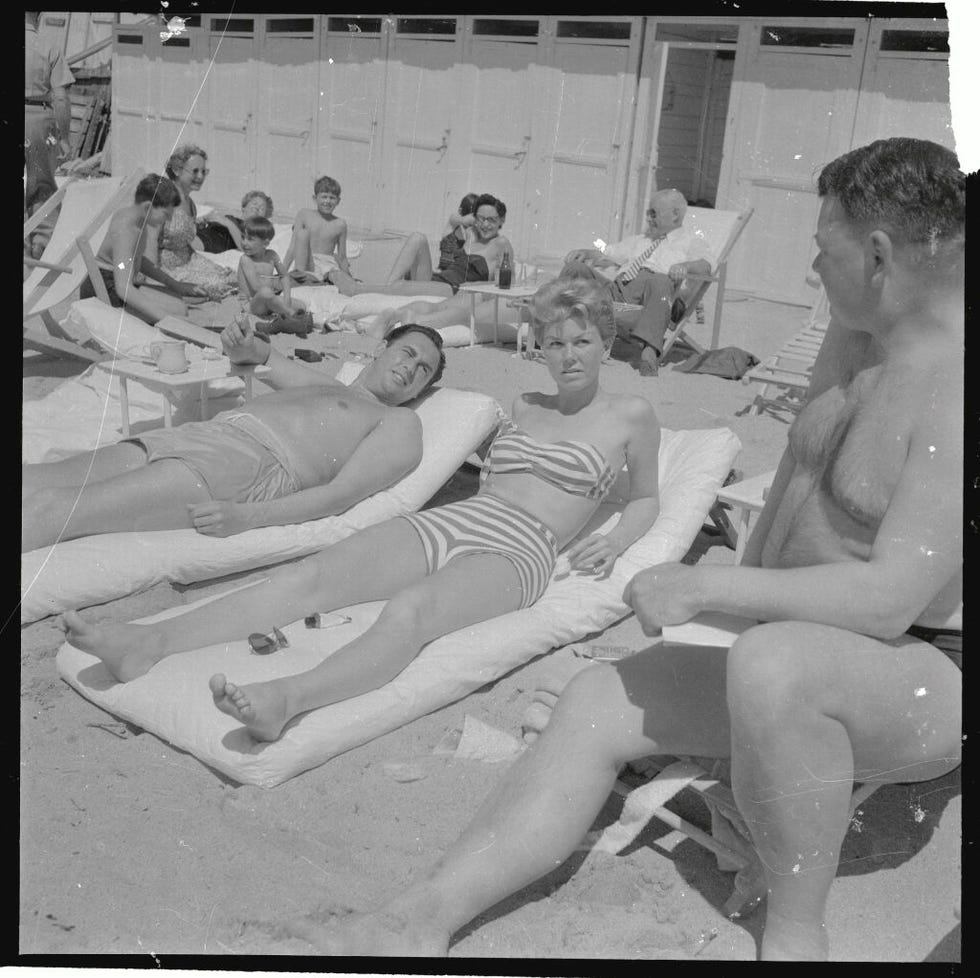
{"x":260,"y":272}
{"x":318,"y":247}
{"x":223,"y":232}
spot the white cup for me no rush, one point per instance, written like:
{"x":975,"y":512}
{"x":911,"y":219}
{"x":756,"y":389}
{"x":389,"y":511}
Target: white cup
{"x":170,"y":356}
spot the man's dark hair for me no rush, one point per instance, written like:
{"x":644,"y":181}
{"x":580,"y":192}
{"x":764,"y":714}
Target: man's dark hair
{"x":912,"y":189}
{"x":427,"y":331}
{"x":485,"y":200}
{"x":259,"y":227}
{"x":160,"y":191}
{"x":326,"y":185}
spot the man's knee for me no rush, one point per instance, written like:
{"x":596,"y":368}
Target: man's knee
{"x":767,"y":675}
{"x":589,"y":701}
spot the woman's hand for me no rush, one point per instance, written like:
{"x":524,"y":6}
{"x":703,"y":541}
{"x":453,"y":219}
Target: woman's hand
{"x":667,"y":594}
{"x":191,"y":290}
{"x":219,"y":519}
{"x":596,"y":553}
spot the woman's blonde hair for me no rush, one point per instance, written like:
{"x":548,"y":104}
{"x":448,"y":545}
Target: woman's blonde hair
{"x":573,"y":298}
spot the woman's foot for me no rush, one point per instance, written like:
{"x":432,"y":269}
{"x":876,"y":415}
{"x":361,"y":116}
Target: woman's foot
{"x":371,"y":935}
{"x":128,"y":651}
{"x":261,"y":707}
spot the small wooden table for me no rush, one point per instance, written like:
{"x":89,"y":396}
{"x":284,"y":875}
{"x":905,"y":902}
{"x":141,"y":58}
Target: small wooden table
{"x":491,"y":288}
{"x":198,"y":372}
{"x":745,"y":498}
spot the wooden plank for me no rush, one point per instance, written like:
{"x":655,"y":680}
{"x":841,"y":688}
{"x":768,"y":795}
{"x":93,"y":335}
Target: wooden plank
{"x":35,"y":339}
{"x":46,"y":208}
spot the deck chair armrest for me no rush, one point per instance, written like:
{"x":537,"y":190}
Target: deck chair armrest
{"x":189,"y":331}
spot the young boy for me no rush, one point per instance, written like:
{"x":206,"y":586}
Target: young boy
{"x":120,"y":257}
{"x":319,"y":243}
{"x":260,"y":272}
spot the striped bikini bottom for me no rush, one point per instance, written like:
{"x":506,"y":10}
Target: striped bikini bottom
{"x":484,"y":524}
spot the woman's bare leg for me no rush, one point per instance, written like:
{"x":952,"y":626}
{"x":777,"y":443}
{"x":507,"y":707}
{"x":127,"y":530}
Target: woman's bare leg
{"x":405,"y":314}
{"x":413,"y":261}
{"x":368,"y":566}
{"x":813,"y":709}
{"x":469,"y":589}
{"x":103,"y":463}
{"x":403,"y":287}
{"x":153,"y":496}
{"x":663,"y":700}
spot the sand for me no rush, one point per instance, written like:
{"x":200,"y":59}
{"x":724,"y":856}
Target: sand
{"x":130,"y":846}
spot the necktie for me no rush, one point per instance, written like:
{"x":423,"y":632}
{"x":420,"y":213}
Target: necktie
{"x":630,"y":271}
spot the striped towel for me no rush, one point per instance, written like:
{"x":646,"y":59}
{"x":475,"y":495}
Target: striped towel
{"x":630,"y":271}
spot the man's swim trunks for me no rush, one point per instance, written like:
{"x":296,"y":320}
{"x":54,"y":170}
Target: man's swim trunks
{"x":948,"y":640}
{"x":87,"y":291}
{"x":236,"y":457}
{"x":484,"y":524}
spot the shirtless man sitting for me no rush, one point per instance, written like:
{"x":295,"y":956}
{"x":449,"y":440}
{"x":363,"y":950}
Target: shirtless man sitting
{"x":310,"y":449}
{"x":121,"y":257}
{"x":854,"y":568}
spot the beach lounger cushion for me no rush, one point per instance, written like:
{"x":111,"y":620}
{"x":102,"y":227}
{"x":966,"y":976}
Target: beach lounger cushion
{"x":454,"y":423}
{"x":173,"y":700}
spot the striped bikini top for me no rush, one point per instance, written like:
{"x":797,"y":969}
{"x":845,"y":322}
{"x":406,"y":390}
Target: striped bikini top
{"x":577,"y":467}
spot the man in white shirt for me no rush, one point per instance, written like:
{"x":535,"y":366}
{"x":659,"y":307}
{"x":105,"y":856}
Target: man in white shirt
{"x":648,"y":270}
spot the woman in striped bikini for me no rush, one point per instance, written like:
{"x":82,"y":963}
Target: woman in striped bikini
{"x":443,"y":569}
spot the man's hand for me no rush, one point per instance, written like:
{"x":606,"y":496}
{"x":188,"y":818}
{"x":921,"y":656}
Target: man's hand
{"x":583,"y":254}
{"x":666,"y":594}
{"x":219,"y":519}
{"x":677,"y":273}
{"x":595,"y":553}
{"x":242,"y":345}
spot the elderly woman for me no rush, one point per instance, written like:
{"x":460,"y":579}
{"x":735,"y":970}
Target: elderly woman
{"x":445,"y":568}
{"x":187,"y":168}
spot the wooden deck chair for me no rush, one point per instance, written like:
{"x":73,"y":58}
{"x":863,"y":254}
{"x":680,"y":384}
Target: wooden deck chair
{"x":785,"y":376}
{"x":727,"y":837}
{"x":721,"y":229}
{"x":86,"y":207}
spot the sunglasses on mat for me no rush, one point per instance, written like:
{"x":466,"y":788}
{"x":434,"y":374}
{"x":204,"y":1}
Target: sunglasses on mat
{"x":266,"y":644}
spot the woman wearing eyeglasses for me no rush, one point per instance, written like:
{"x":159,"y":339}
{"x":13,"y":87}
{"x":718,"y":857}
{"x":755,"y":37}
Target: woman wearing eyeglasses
{"x":476,"y":261}
{"x":187,"y":168}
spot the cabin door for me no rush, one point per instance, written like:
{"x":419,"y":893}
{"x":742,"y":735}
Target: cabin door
{"x":232,"y":94}
{"x":351,"y":88}
{"x":287,"y":110}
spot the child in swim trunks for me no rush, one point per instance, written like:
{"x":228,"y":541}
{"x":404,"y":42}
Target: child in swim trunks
{"x":260,"y":272}
{"x":318,"y":247}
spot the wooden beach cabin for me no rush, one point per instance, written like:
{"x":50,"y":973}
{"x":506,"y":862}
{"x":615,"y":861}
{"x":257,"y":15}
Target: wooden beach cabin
{"x":572,"y":121}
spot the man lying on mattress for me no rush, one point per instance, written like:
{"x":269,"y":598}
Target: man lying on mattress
{"x":310,"y":449}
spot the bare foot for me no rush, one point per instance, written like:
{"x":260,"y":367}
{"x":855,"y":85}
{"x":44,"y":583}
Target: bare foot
{"x":128,"y":651}
{"x":260,"y":706}
{"x":371,"y":935}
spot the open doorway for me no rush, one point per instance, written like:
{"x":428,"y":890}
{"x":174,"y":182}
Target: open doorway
{"x":697,"y":83}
